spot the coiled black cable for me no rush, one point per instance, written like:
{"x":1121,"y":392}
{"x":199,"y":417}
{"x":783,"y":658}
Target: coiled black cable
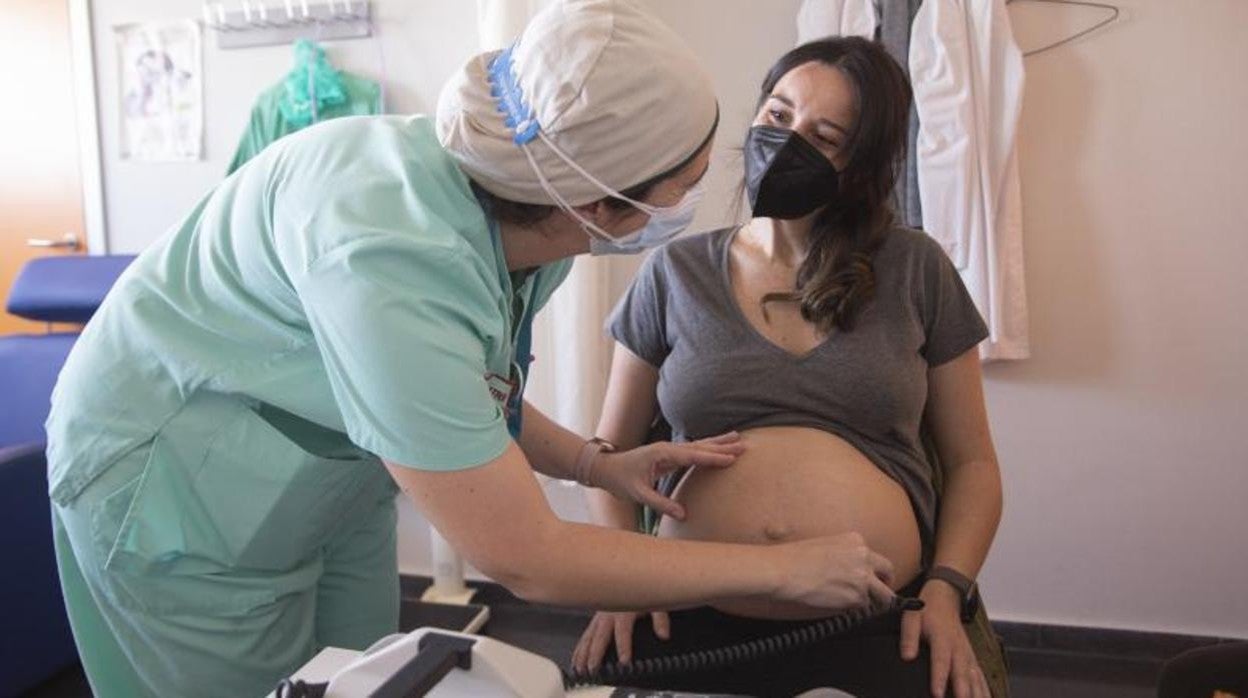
{"x":616,"y":673}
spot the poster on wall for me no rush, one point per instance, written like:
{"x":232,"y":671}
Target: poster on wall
{"x":162,"y":93}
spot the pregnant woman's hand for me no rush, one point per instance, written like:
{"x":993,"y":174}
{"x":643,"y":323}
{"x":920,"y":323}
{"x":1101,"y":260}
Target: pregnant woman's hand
{"x":607,"y":626}
{"x":939,"y":624}
{"x":633,"y":474}
{"x":838,"y":573}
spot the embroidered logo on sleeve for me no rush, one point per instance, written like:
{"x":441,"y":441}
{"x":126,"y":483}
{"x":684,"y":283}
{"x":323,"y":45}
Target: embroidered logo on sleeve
{"x":504,"y":390}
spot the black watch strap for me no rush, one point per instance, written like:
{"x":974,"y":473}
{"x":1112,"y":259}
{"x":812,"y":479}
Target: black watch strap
{"x":966,"y":587}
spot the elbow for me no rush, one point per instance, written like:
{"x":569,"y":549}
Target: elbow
{"x":997,"y":489}
{"x":525,"y":571}
{"x":528,"y":582}
{"x":995,"y":495}
{"x":535,"y":590}
{"x":507,"y":570}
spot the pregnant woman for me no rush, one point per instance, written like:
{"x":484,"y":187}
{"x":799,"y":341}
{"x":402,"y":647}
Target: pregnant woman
{"x":825,"y":335}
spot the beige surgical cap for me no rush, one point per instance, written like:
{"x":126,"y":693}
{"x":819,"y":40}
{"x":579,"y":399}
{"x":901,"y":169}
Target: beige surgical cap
{"x":613,"y":87}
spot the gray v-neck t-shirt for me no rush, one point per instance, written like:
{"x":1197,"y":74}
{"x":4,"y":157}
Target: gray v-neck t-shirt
{"x":717,"y":373}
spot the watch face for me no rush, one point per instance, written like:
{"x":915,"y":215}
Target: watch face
{"x":606,"y":445}
{"x":970,"y":605}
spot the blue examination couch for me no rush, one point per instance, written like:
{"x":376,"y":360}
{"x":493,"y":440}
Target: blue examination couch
{"x":35,"y":640}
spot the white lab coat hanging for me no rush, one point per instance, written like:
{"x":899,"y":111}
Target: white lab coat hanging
{"x":967,"y":75}
{"x":817,"y":19}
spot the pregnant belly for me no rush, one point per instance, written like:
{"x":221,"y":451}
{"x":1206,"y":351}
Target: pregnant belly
{"x":794,"y":483}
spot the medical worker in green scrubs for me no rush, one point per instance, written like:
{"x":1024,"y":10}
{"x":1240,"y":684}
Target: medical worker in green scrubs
{"x":348,"y":312}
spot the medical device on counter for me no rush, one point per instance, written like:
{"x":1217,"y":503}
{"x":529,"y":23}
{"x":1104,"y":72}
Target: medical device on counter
{"x":447,"y":664}
{"x":436,"y":663}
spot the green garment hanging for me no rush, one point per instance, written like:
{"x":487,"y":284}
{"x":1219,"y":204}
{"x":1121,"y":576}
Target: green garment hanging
{"x":289,"y":105}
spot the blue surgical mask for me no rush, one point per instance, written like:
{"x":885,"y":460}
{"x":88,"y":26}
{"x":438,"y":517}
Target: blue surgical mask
{"x":666,"y":222}
{"x":664,"y":225}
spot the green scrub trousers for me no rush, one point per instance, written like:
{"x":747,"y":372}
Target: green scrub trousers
{"x":173,"y":612}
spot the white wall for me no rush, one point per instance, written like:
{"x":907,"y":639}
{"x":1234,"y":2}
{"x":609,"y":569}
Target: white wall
{"x":1122,"y":441}
{"x":423,"y":42}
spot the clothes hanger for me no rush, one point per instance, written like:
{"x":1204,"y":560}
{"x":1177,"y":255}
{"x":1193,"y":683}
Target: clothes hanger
{"x":1113,"y":9}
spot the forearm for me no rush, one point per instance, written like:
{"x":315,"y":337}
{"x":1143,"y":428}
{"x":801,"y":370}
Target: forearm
{"x":606,"y":509}
{"x":970,"y":510}
{"x":549,"y":448}
{"x":496,"y":516}
{"x":628,"y":412}
{"x":591,"y":566}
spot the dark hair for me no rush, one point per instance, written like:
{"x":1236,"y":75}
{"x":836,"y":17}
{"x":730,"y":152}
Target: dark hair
{"x":838,"y":277}
{"x":520,"y":213}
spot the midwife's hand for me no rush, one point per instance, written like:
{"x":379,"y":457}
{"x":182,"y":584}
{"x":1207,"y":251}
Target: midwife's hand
{"x":632,"y":475}
{"x":839,"y":573}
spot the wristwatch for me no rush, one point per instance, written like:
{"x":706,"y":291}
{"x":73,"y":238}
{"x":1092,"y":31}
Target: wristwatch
{"x":583,"y":469}
{"x":967,"y":589}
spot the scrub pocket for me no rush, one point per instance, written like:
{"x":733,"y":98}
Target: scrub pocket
{"x":227,"y":489}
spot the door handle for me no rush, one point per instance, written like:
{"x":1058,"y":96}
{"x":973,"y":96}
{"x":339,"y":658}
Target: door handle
{"x":70,"y":241}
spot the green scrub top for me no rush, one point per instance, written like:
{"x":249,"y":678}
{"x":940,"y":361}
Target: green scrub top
{"x":344,"y":280}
